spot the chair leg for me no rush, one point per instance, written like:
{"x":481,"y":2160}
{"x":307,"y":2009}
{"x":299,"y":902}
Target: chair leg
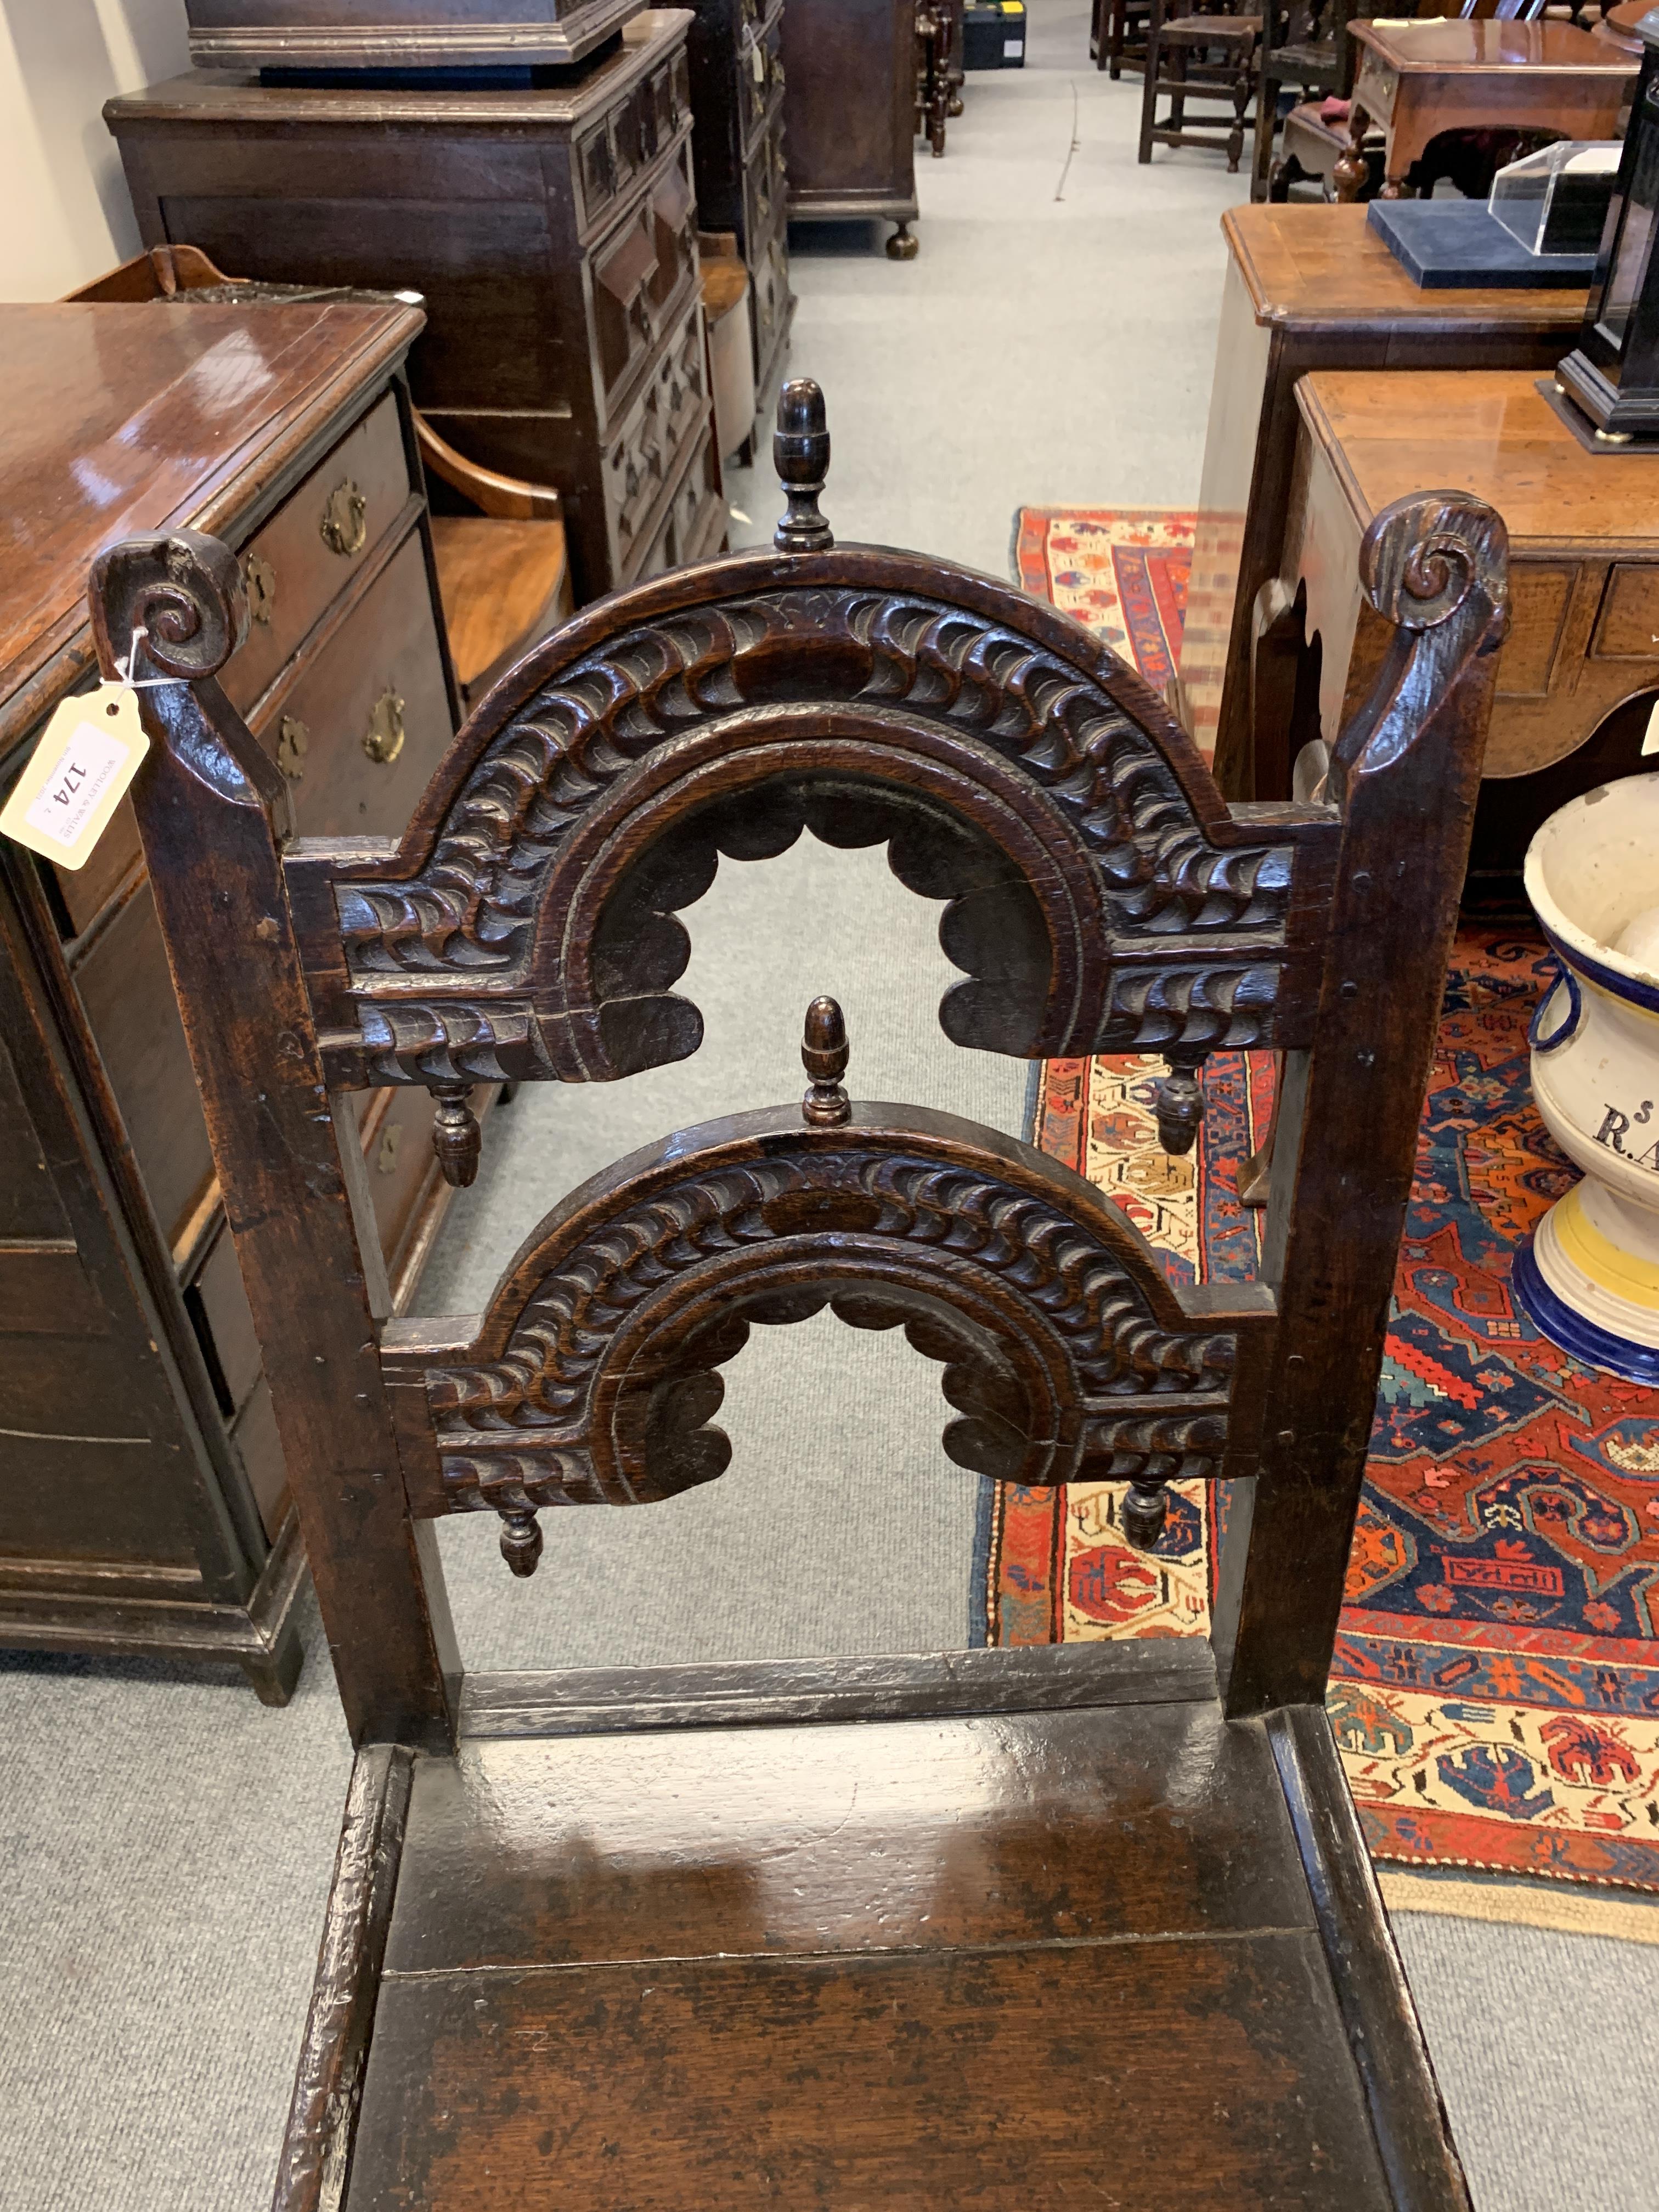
{"x":1178,"y":90}
{"x":1241,"y":101}
{"x":1111,"y":54}
{"x":1149,"y":96}
{"x":1267,"y":122}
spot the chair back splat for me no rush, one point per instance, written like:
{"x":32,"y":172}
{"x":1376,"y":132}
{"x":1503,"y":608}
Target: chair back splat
{"x":1100,"y":896}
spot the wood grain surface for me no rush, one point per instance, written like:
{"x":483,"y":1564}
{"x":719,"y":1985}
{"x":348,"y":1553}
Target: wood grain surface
{"x":1155,"y":2075}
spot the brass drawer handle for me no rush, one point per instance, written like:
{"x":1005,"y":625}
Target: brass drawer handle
{"x":293,"y":742}
{"x":260,"y":578}
{"x":383,"y":740}
{"x":345,"y":519}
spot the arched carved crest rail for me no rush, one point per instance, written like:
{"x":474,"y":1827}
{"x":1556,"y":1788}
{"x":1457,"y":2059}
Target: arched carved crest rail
{"x":593,"y":1377}
{"x":1099,"y":895}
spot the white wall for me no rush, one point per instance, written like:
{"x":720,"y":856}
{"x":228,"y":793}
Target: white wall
{"x":68,"y":216}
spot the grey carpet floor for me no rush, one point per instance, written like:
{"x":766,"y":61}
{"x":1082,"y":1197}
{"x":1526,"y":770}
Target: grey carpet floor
{"x":166,"y":1842}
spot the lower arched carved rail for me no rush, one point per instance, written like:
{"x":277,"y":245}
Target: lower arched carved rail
{"x":593,"y":1376}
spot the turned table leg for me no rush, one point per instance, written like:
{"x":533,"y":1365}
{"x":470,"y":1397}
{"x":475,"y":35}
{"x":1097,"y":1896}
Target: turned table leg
{"x":1351,"y":172}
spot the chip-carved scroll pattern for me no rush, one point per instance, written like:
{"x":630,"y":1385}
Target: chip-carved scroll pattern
{"x":521,"y":1431}
{"x":472,"y":906}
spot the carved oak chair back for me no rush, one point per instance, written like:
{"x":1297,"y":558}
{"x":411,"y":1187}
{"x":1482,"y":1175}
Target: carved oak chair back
{"x":1101,"y":897}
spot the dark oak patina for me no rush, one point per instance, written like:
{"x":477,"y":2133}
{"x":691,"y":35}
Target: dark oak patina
{"x":919,"y":1931}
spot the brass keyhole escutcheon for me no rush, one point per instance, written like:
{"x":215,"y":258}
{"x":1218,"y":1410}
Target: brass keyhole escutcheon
{"x":293,"y":742}
{"x":386,"y":1160}
{"x":383,"y":740}
{"x":261,"y":581}
{"x":345,"y":519}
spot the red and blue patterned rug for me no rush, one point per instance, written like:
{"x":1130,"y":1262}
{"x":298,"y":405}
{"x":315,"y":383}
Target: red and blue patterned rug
{"x":1496,"y":1685}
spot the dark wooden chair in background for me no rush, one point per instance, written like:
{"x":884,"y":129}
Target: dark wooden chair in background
{"x":1304,"y":43}
{"x":993,"y":1927}
{"x":1117,"y":35}
{"x":1200,"y":52}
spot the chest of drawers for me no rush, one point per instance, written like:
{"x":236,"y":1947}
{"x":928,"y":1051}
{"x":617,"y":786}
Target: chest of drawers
{"x":737,"y":68}
{"x":850,"y":107}
{"x":142,"y":1498}
{"x":552,"y":232}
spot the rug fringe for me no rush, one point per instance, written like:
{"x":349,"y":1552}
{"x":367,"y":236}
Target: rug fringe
{"x":1573,"y":1911}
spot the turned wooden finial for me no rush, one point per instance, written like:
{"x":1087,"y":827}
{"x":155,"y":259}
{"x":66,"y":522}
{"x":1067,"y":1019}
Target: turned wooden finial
{"x":800,"y":453}
{"x":1179,"y":1100}
{"x":824,"y":1055}
{"x":456,"y":1137}
{"x":521,"y":1539}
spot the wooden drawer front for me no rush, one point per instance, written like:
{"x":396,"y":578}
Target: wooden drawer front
{"x":1540,"y":595}
{"x":761,"y":75}
{"x":397,"y":1132}
{"x":314,"y":544}
{"x":638,"y":270}
{"x":771,"y":282}
{"x":765,"y":191}
{"x":1629,"y":625}
{"x":676,"y":539}
{"x":630,"y":136}
{"x":127,"y":995}
{"x":644,"y":455}
{"x":219,"y":1309}
{"x":622,"y":271}
{"x":260,"y":1450}
{"x":381,"y":672}
{"x":674,"y":227}
{"x":1376,"y":88}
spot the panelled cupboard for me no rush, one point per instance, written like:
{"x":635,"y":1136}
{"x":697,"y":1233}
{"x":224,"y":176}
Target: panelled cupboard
{"x":737,"y":67}
{"x":143,"y":1503}
{"x":550,"y":230}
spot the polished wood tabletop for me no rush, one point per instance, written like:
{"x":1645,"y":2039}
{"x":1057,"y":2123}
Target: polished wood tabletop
{"x":1324,"y":268}
{"x":1489,"y":432}
{"x":1441,"y":46}
{"x":162,"y":412}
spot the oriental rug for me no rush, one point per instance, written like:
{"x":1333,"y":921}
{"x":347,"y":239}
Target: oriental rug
{"x":1122,"y":571}
{"x":1495,"y":1685}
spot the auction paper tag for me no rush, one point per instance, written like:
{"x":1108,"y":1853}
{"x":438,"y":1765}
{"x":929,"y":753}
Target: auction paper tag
{"x":87,"y":755}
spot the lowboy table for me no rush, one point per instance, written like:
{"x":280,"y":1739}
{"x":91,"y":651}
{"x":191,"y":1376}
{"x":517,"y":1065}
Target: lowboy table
{"x":1416,"y":80}
{"x":1311,"y":288}
{"x":1580,"y":666}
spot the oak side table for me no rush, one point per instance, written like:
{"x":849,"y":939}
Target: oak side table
{"x":1581,"y":662}
{"x":1310,"y":288}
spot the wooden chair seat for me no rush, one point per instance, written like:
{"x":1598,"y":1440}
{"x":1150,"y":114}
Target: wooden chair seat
{"x":504,"y":584}
{"x":993,"y":1956}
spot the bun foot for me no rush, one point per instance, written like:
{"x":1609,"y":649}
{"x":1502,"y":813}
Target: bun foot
{"x":900,"y":246}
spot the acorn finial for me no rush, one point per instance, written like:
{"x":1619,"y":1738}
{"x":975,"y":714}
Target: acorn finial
{"x":800,"y":453}
{"x":456,"y":1137}
{"x":824,"y":1055}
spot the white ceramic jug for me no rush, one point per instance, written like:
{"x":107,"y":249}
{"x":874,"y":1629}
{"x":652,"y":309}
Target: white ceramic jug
{"x":1589,"y":1276}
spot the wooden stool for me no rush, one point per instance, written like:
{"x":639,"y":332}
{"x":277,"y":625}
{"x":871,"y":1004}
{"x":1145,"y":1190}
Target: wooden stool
{"x":1194,"y":54}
